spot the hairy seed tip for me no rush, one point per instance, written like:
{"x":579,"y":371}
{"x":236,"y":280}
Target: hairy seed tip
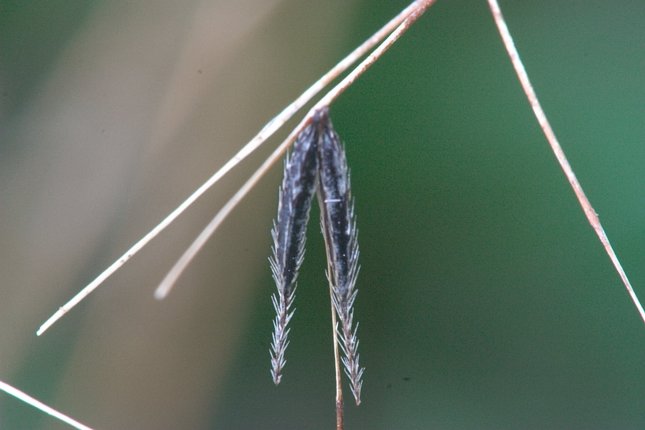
{"x":338,"y":225}
{"x":289,"y":235}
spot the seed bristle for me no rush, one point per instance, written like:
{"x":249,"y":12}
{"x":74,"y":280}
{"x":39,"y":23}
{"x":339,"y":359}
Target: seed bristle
{"x":288,"y":233}
{"x":338,"y":223}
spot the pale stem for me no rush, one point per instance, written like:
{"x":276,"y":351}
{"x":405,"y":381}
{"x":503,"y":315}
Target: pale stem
{"x":266,"y":132}
{"x":348,"y":80}
{"x":167,"y":283}
{"x":175,"y":272}
{"x":12,"y":391}
{"x":590,"y":213}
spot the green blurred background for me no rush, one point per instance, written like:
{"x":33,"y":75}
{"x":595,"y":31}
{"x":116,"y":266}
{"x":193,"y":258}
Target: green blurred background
{"x":486,"y":302}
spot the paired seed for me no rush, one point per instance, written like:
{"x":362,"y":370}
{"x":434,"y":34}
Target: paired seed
{"x":318,"y":162}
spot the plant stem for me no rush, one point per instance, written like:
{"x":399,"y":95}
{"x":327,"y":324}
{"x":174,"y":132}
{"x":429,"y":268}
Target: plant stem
{"x":589,"y":211}
{"x":22,"y":396}
{"x":337,"y":365}
{"x":169,"y":280}
{"x":268,"y":130}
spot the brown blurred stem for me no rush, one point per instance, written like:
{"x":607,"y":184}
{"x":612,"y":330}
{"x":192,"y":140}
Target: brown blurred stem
{"x":339,"y":386}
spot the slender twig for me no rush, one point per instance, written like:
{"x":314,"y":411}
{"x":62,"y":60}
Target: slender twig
{"x":166,"y":284}
{"x":22,"y":396}
{"x":337,"y":372}
{"x":169,"y":280}
{"x":415,"y":13}
{"x":589,"y":211}
{"x":271,"y":127}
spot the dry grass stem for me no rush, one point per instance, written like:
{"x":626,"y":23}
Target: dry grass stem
{"x":166,"y":285}
{"x":26,"y":398}
{"x":589,"y":211}
{"x":337,"y":364}
{"x":267,"y":131}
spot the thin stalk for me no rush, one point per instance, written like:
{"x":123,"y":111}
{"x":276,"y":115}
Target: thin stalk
{"x":333,"y":94}
{"x":589,"y":211}
{"x":167,"y":283}
{"x":267,"y":131}
{"x":24,"y":397}
{"x":175,"y":272}
{"x":337,"y":366}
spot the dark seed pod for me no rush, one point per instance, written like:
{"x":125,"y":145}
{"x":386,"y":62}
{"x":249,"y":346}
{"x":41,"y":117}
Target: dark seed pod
{"x":339,"y":229}
{"x":289,"y":234}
